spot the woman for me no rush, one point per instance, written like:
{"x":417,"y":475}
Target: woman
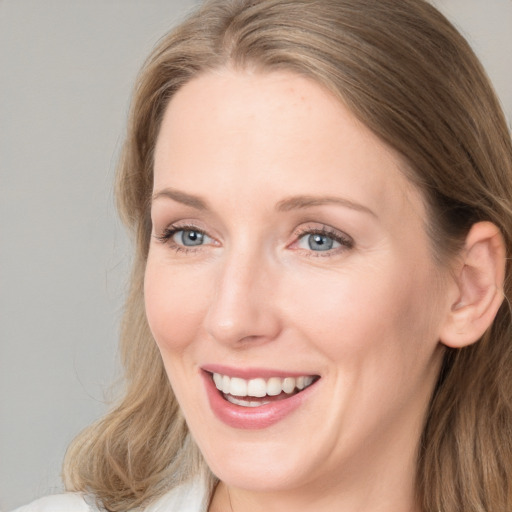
{"x":320,"y":193}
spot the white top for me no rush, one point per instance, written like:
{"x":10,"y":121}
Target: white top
{"x":189,"y":497}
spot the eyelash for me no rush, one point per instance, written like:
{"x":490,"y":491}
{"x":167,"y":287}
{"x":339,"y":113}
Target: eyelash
{"x":169,"y":232}
{"x":345,"y":241}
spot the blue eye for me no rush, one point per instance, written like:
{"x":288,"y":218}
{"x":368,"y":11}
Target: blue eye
{"x":189,"y":237}
{"x":322,"y":241}
{"x":318,"y":242}
{"x":184,"y":238}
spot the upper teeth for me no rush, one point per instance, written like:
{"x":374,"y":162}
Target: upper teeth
{"x":260,"y":387}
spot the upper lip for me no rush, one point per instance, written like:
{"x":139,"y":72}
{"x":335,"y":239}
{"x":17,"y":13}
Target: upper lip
{"x":254,"y":373}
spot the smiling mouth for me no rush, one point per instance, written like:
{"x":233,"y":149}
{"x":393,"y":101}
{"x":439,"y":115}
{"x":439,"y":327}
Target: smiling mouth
{"x":258,"y":392}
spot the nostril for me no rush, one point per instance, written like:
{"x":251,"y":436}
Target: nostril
{"x":248,"y":327}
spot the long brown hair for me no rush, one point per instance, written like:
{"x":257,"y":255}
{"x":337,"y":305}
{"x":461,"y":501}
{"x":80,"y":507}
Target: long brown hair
{"x":409,"y":76}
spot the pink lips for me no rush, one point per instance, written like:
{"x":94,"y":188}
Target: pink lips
{"x":237,"y":416}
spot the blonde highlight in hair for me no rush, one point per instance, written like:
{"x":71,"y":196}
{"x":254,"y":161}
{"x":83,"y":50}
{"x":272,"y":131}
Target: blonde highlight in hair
{"x":409,"y":76}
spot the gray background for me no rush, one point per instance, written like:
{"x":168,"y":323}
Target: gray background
{"x":66,"y":71}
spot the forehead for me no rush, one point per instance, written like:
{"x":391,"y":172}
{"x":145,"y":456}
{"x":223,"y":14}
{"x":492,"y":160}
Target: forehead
{"x":263,"y":135}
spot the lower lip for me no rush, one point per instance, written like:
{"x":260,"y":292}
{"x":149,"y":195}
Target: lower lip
{"x":264,"y":416}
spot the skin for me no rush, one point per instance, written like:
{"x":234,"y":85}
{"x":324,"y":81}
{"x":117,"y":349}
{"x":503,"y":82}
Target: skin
{"x":365,"y":316}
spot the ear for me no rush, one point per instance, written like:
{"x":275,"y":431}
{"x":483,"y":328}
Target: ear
{"x":479,"y":278}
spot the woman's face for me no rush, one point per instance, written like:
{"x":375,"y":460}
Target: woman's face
{"x":289,"y":251}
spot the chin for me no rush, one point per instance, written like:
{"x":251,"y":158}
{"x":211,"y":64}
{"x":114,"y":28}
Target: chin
{"x":259,"y":472}
{"x":268,"y":460}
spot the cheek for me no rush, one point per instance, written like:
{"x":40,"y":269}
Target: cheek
{"x":174,"y":305}
{"x":377,"y":332}
{"x":382,"y":312}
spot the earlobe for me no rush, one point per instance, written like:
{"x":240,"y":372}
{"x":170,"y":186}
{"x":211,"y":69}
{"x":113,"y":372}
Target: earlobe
{"x":479,"y":279}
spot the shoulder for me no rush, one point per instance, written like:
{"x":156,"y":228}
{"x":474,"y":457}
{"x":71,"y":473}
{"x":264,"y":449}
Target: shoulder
{"x":191,"y":496}
{"x":69,"y":502}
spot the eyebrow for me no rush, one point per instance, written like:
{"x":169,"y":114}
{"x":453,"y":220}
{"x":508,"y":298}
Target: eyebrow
{"x":300,"y":202}
{"x":285,"y":205}
{"x":181,"y":197}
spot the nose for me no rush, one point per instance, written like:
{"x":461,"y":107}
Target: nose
{"x":242,"y":307}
